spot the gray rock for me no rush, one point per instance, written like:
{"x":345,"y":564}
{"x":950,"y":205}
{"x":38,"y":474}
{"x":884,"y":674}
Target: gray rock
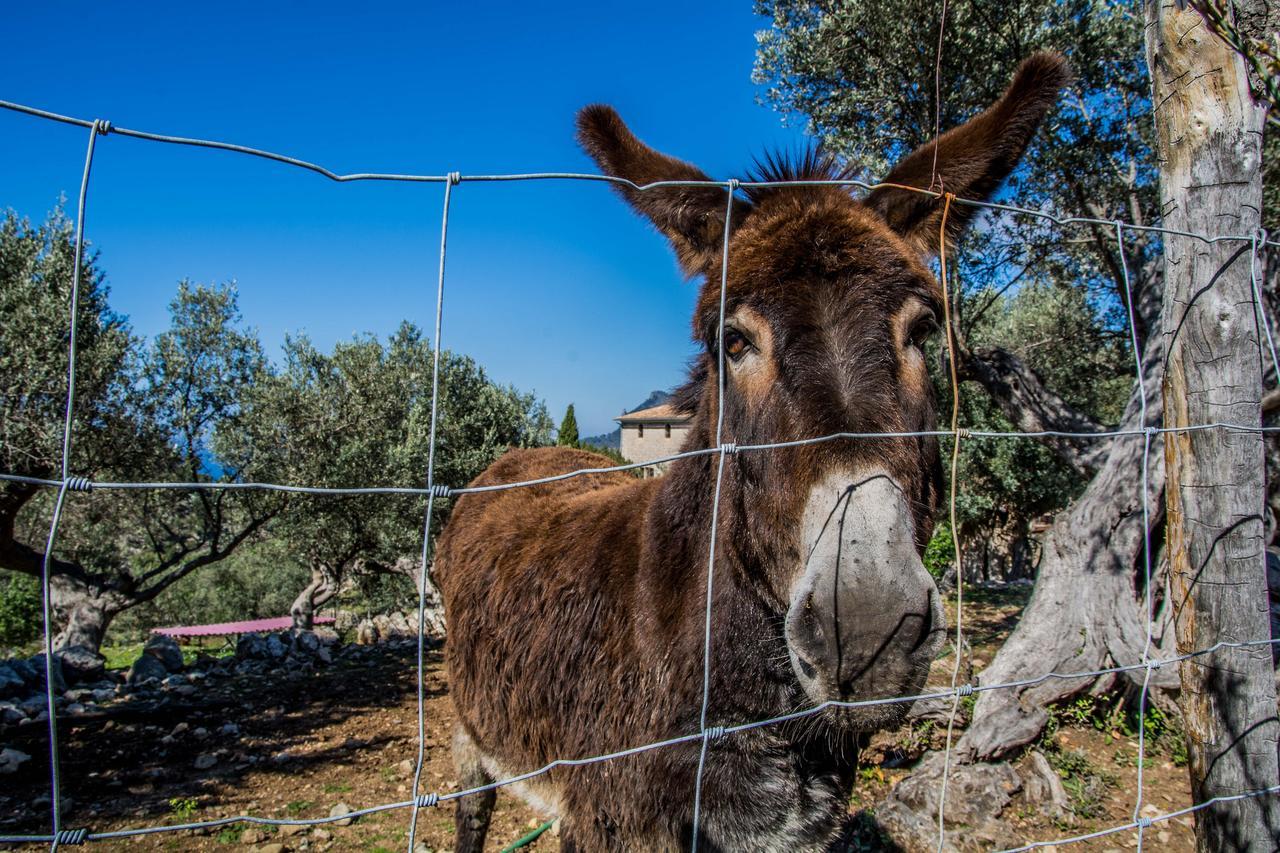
{"x":251,"y":647}
{"x":229,"y":729}
{"x":976,"y":795}
{"x":36,"y":662}
{"x":204,"y":761}
{"x":306,"y":642}
{"x":146,"y":667}
{"x":166,"y":650}
{"x":11,"y":760}
{"x":11,"y":683}
{"x":339,"y":810}
{"x":276,"y":648}
{"x":81,"y":664}
{"x":11,"y":713}
{"x":323,"y":655}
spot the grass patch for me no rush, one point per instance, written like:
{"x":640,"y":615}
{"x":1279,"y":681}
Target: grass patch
{"x":297,"y":807}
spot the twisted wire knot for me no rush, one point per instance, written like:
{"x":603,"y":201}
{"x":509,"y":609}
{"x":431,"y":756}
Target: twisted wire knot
{"x":963,"y":432}
{"x":1155,"y":664}
{"x":71,"y":836}
{"x":713,"y":732}
{"x":1144,"y":822}
{"x":964,"y":690}
{"x":1260,"y":236}
{"x":438,"y":491}
{"x":733,"y":184}
{"x":79,"y":484}
{"x":426,"y":801}
{"x":455,"y":178}
{"x":103,"y":126}
{"x":729,"y":448}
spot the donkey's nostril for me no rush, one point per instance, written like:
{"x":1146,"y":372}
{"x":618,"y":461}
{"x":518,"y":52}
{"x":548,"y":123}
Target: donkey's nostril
{"x":806,"y":667}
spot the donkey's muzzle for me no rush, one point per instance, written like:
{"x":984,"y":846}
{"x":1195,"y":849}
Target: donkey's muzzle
{"x":865,"y":619}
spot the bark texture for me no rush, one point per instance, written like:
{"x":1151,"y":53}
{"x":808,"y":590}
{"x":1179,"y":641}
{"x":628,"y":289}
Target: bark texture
{"x":1209,"y":132}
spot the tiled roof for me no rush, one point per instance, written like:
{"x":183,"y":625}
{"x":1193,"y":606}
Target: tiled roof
{"x":657,"y":414}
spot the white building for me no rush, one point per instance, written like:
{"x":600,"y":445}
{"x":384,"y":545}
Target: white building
{"x":652,"y":434}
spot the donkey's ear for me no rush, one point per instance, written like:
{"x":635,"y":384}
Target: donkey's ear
{"x":970,"y":160}
{"x":691,"y":217}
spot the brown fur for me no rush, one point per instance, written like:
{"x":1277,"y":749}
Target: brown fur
{"x":575,"y":609}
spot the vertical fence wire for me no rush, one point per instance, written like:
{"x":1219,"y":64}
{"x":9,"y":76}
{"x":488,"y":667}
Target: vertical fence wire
{"x":715,"y":519}
{"x":1148,"y":608}
{"x":55,"y":776}
{"x":947,"y":320}
{"x":424,"y":562}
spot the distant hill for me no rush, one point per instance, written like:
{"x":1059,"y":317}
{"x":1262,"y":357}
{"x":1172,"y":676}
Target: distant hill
{"x":613,"y":440}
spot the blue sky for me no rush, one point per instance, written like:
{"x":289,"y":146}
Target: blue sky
{"x":552,"y":286}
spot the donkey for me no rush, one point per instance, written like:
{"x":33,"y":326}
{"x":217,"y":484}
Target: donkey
{"x":576,"y":608}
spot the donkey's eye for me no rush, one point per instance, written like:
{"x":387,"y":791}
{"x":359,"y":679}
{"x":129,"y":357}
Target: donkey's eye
{"x":922,"y":331}
{"x":735,"y":344}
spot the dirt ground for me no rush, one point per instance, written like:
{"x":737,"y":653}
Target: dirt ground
{"x":347,"y":734}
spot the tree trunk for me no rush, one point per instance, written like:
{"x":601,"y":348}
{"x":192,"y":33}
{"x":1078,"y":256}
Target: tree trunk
{"x":85,"y":612}
{"x":1209,"y":135}
{"x":1085,"y":611}
{"x":314,"y":595}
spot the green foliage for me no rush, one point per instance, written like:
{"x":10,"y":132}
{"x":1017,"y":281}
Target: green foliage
{"x":361,"y":416}
{"x":20,"y":616}
{"x":568,"y":434}
{"x":182,"y":808}
{"x":940,"y":553}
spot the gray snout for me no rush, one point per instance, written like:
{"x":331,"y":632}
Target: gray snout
{"x":865,"y":619}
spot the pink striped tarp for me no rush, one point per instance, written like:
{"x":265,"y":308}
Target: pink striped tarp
{"x":275,"y":623}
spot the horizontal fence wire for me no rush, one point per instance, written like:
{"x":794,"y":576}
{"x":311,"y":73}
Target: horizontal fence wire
{"x":86,"y":484}
{"x":1062,"y":221}
{"x":706,"y":734}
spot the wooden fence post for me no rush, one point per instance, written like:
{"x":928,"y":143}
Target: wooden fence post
{"x":1209,"y":145}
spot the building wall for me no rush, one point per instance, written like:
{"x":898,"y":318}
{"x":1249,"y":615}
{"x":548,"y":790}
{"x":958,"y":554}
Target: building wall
{"x":654,"y":444}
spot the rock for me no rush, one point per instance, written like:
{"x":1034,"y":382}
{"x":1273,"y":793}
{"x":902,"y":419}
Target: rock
{"x":321,"y":834}
{"x":339,"y":810}
{"x":166,"y":650}
{"x":273,"y":847}
{"x":11,"y":759}
{"x":323,"y":654}
{"x":229,"y":729}
{"x":36,"y":662}
{"x":938,"y":710}
{"x":186,"y":690}
{"x":204,"y":761}
{"x":173,"y":680}
{"x":976,"y":795}
{"x":11,"y":683}
{"x":252,"y":835}
{"x":180,"y":728}
{"x":1044,"y":787}
{"x":306,"y":642}
{"x":276,"y":648}
{"x":77,"y":709}
{"x":289,"y":829}
{"x":81,"y":664}
{"x":199,"y":733}
{"x":146,"y":667}
{"x":405,"y":768}
{"x":251,"y":647}
{"x":366,"y":634}
{"x":11,"y":713}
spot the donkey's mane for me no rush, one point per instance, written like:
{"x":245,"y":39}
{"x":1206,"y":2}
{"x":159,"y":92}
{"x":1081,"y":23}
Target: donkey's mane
{"x":810,"y":163}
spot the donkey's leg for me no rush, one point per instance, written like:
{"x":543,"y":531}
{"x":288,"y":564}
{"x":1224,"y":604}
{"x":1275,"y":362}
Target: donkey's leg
{"x":471,"y":818}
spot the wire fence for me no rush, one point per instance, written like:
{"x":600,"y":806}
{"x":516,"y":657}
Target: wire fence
{"x":68,"y":482}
